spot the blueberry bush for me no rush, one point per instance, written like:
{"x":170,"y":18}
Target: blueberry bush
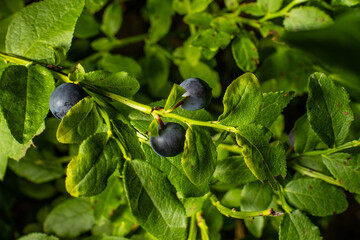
{"x":179,"y":119}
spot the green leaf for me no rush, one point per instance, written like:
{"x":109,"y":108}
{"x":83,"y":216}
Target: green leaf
{"x":106,"y":202}
{"x":253,"y":8}
{"x":80,"y":122}
{"x":8,"y":7}
{"x":95,"y":5}
{"x":305,"y":138}
{"x":232,"y":198}
{"x":86,"y":26}
{"x":70,"y":218}
{"x":296,"y":225}
{"x":192,"y":53}
{"x":180,"y":7}
{"x":242,"y":101}
{"x":213,"y":219}
{"x":233,"y":170}
{"x":153,"y":201}
{"x":306,"y":18}
{"x":212,"y":39}
{"x":38,"y":236}
{"x":171,"y":167}
{"x":316,"y":197}
{"x":203,"y":71}
{"x":290,"y":69}
{"x":328,"y":108}
{"x":175,"y":95}
{"x":345,"y":168}
{"x":24,"y":99}
{"x":269,"y":28}
{"x":4,"y":25}
{"x":225,"y":24}
{"x":40,"y":28}
{"x":160,"y":13}
{"x":36,"y":191}
{"x":8,"y":145}
{"x":153,"y":129}
{"x":104,"y":45}
{"x":157,"y":69}
{"x":274,"y":103}
{"x":88,"y":172}
{"x":256,"y":196}
{"x":120,"y":83}
{"x":3,"y":164}
{"x":348,"y":3}
{"x":335,"y":45}
{"x":112,"y":19}
{"x":127,"y":138}
{"x":200,"y":19}
{"x":265,"y":161}
{"x":231,"y":4}
{"x":199,"y":5}
{"x":199,"y":157}
{"x":78,"y":75}
{"x":270,"y":5}
{"x":118,"y":63}
{"x":36,"y":167}
{"x":245,"y":53}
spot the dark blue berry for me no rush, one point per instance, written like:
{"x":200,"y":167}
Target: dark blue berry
{"x":198,"y":94}
{"x":292,"y":137}
{"x":170,"y":141}
{"x":65,"y":97}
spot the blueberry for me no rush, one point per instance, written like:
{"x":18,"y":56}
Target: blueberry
{"x":198,"y":94}
{"x":64,"y":97}
{"x":170,"y":141}
{"x":292,"y":137}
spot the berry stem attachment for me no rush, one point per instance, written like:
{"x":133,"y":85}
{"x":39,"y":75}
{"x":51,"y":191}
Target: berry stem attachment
{"x":176,"y":106}
{"x":159,"y":121}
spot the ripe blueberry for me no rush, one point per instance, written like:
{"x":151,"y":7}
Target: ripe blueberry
{"x":292,"y":137}
{"x":198,"y":94}
{"x":64,"y":97}
{"x":170,"y":141}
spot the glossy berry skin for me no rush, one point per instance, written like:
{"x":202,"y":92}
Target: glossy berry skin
{"x":198,"y":94}
{"x":65,"y":97}
{"x":170,"y":141}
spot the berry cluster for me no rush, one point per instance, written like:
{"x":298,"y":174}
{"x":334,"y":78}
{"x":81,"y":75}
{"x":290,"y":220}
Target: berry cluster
{"x":171,"y":137}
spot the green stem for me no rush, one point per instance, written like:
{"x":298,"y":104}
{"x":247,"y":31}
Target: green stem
{"x":282,"y":12}
{"x":193,"y":228}
{"x":133,"y":104}
{"x":189,"y":10}
{"x":211,"y":124}
{"x":314,"y":174}
{"x":241,"y":215}
{"x":130,"y":40}
{"x":203,"y":226}
{"x":26,"y":62}
{"x":15,"y":59}
{"x":149,"y":110}
{"x":251,"y":22}
{"x":284,"y":204}
{"x":348,"y":145}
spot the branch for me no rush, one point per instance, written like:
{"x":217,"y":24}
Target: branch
{"x":314,"y":174}
{"x":241,"y":215}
